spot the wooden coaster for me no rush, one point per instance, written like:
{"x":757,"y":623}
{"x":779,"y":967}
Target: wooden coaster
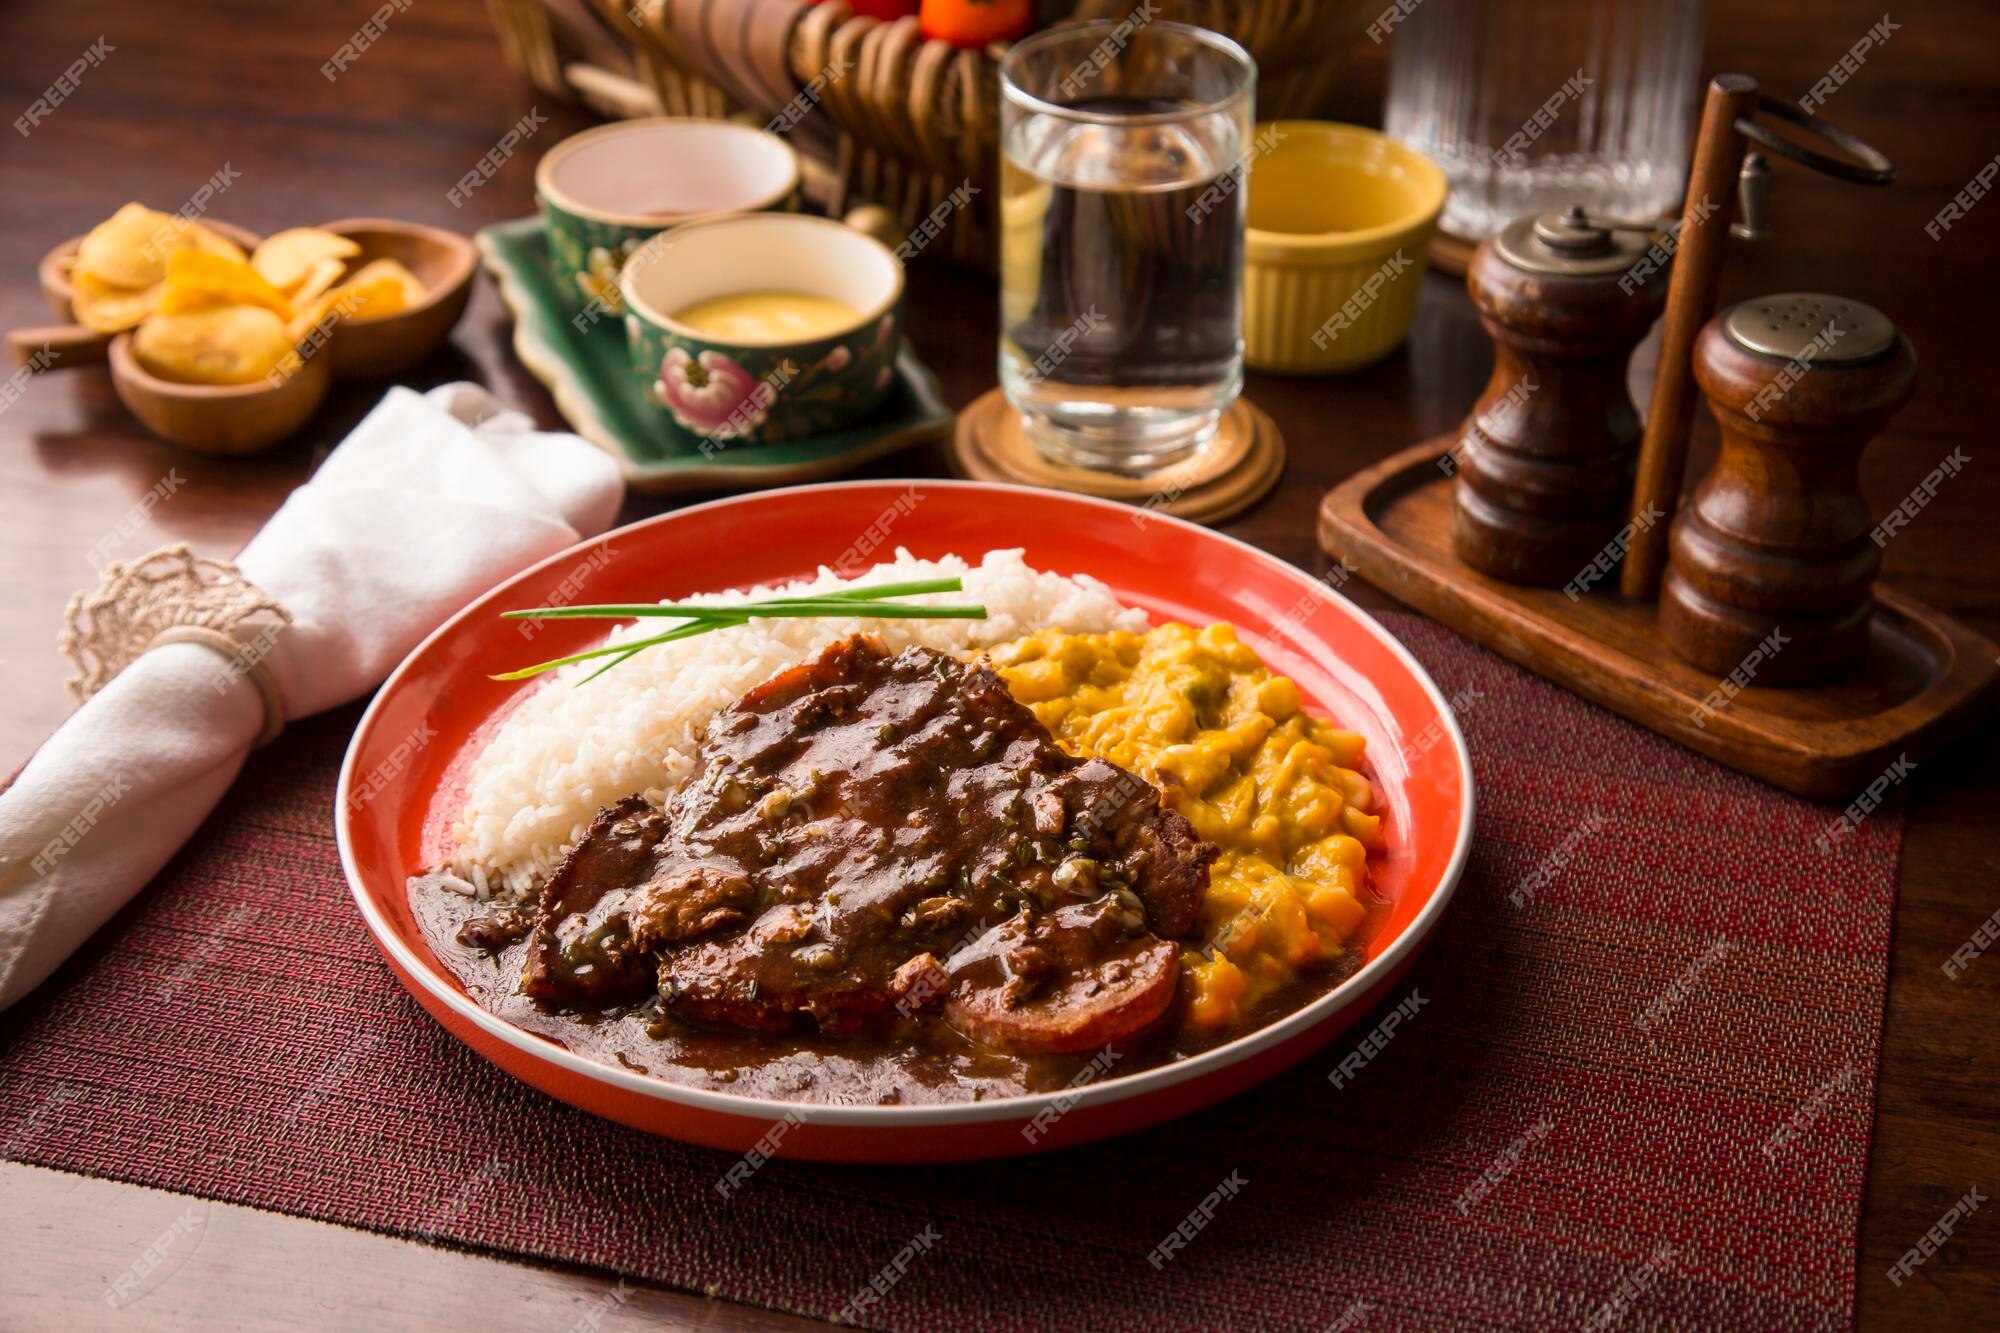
{"x":1239,"y":466}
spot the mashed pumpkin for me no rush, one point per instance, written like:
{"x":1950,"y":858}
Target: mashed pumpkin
{"x":1196,"y":713}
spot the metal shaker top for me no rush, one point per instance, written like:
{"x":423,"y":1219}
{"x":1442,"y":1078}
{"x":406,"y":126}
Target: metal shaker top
{"x":1571,"y":244}
{"x":1793,"y":326}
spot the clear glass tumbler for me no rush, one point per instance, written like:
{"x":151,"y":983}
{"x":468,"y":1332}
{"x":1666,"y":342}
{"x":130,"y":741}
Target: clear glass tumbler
{"x":1121,"y":259}
{"x":1532,"y":105}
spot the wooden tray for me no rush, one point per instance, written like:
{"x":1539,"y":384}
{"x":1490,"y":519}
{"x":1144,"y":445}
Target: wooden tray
{"x":1925,"y":680}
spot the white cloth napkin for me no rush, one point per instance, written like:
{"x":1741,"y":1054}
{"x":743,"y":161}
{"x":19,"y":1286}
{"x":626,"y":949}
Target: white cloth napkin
{"x":431,"y":501}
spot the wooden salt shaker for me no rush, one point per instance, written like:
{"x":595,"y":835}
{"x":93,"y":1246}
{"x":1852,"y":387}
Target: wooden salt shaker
{"x":1545,"y":460}
{"x":1773,"y":547}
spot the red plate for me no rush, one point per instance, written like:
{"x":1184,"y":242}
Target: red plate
{"x":1347,"y":667}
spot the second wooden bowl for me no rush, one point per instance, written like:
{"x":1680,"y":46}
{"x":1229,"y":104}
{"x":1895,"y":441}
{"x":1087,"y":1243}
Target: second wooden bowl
{"x":442,"y":260}
{"x":218,"y":418}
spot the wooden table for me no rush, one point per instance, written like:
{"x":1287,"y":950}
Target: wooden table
{"x":185,"y":89}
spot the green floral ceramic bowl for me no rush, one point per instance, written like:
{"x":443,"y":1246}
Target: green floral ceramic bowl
{"x":607,"y":191}
{"x":723,"y":392}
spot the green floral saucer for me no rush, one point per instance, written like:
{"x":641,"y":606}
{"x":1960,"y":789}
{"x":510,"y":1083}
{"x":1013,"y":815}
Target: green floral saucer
{"x":589,"y":373}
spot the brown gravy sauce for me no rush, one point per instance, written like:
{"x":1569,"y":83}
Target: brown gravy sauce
{"x":902,"y":1060}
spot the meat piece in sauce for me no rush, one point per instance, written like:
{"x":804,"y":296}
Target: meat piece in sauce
{"x":580,"y":951}
{"x":869,"y":833}
{"x":1066,"y":981}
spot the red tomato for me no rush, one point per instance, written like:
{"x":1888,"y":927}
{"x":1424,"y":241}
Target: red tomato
{"x":977,"y":22}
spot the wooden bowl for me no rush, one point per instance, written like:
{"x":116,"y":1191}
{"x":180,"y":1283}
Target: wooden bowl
{"x":443,"y":261}
{"x":55,"y":266}
{"x":218,"y":418}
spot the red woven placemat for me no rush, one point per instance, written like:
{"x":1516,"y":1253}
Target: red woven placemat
{"x":1639,"y":1093}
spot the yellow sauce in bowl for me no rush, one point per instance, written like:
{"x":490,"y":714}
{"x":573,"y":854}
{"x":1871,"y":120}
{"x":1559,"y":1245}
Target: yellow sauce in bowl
{"x":769,"y":317}
{"x":1196,"y":714}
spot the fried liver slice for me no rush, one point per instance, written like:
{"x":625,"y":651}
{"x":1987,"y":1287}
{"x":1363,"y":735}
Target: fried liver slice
{"x":863,"y":809}
{"x":580,"y":950}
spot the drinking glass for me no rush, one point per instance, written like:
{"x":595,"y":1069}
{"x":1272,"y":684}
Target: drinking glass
{"x":1533,"y":105}
{"x":1121,"y":257}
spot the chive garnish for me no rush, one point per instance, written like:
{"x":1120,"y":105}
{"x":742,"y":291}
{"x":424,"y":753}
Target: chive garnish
{"x":874,"y":602}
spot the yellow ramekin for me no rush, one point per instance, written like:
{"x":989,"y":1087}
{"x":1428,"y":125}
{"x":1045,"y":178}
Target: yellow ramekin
{"x":1340,"y":223}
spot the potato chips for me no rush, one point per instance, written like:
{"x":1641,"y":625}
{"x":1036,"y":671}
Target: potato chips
{"x":412,"y":287}
{"x":379,"y":289}
{"x":320,"y":277}
{"x":206,"y":313}
{"x":197,"y":281}
{"x":287,"y":258}
{"x":99,"y":305}
{"x":232,"y":344}
{"x":130,"y":248}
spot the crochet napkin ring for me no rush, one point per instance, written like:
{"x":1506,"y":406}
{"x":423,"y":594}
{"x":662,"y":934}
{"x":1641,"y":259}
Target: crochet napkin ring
{"x":175,"y":596}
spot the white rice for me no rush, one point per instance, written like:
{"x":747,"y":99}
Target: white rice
{"x":571,"y":749}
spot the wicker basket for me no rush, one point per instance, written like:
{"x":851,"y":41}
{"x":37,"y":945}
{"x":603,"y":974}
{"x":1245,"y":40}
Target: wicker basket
{"x":900,"y":121}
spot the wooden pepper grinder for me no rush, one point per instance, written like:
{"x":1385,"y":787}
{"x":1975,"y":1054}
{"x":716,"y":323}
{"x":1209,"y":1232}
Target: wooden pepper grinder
{"x":1775,"y":538}
{"x":1545,"y":460}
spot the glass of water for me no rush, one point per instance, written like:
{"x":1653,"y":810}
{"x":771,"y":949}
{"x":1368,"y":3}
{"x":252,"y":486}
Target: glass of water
{"x":1121,"y":258}
{"x":1534,"y":105}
